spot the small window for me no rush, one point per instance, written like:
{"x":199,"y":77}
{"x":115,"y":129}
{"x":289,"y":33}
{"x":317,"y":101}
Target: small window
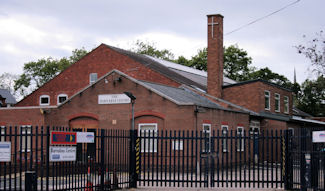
{"x":286,"y":104}
{"x":267,"y":100}
{"x":240,"y":139}
{"x":92,"y":78}
{"x":206,"y":135}
{"x":224,"y":129}
{"x":44,"y":100}
{"x":26,"y":133}
{"x":148,"y":134}
{"x":277,"y":102}
{"x":2,"y":133}
{"x":62,"y":98}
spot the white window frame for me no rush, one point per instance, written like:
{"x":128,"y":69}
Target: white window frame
{"x":286,"y":104}
{"x":240,"y":139}
{"x":277,"y":98}
{"x":61,"y":95}
{"x":269,"y":102}
{"x":152,"y":141}
{"x":254,"y":124}
{"x":224,"y":141}
{"x":208,"y":132}
{"x":3,"y":133}
{"x":292,"y":130}
{"x":44,"y":96}
{"x":24,"y":135}
{"x":91,"y":81}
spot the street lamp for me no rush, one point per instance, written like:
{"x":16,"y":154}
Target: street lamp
{"x":133,"y":98}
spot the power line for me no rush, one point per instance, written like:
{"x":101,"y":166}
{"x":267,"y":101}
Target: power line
{"x":261,"y":18}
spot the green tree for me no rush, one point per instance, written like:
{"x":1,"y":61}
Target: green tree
{"x":199,"y":61}
{"x":314,"y":50}
{"x":151,"y":50}
{"x":312,"y":96}
{"x":236,"y":63}
{"x":38,"y":73}
{"x":268,"y":75}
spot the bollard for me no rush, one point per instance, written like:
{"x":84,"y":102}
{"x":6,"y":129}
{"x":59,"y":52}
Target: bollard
{"x":30,"y":181}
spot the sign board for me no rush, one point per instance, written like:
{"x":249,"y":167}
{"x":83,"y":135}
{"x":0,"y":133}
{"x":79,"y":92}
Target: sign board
{"x":58,"y":154}
{"x":63,"y":138}
{"x":113,"y":99}
{"x":318,"y":136}
{"x":5,"y":151}
{"x":85,"y":137}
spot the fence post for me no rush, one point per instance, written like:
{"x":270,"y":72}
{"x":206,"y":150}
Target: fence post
{"x":30,"y":181}
{"x":102,"y":158}
{"x":287,"y":161}
{"x":132,"y":173}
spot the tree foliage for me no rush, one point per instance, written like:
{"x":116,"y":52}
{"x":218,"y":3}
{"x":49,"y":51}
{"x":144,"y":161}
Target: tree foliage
{"x":314,"y":50}
{"x":151,"y":50}
{"x":39,"y":72}
{"x":312,"y":97}
{"x":268,"y":75}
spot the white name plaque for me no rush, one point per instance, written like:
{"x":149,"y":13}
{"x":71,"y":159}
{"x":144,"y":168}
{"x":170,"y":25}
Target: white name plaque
{"x":113,"y":99}
{"x":318,"y":136}
{"x":58,"y":154}
{"x":5,"y":151}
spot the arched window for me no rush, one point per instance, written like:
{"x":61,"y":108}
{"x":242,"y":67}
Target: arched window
{"x":44,"y":100}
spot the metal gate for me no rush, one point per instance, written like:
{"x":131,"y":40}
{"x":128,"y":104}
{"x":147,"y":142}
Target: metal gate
{"x":211,"y":159}
{"x":101,"y":165}
{"x":305,"y":161}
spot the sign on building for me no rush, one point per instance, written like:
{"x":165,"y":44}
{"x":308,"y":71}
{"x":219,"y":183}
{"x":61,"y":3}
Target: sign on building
{"x":85,"y":137}
{"x":63,"y":138}
{"x":113,"y":99}
{"x":59,"y":154}
{"x":5,"y":151}
{"x":318,"y":136}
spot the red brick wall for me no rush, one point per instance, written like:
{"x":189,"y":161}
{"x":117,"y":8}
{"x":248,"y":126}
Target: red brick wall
{"x":215,"y":55}
{"x":13,"y":117}
{"x":149,"y":107}
{"x":101,"y":61}
{"x":251,"y":96}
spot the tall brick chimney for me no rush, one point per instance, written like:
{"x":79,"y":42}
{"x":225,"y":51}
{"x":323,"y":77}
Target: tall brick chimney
{"x":215,"y":55}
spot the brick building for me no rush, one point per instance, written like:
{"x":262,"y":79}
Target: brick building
{"x":89,"y":95}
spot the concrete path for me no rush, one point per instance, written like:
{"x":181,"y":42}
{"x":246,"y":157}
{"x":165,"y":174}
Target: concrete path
{"x":201,"y":189}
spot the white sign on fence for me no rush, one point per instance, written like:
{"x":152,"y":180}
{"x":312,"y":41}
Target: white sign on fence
{"x":85,"y":137}
{"x":58,"y":154}
{"x":113,"y":99}
{"x":318,"y":136}
{"x":5,"y":151}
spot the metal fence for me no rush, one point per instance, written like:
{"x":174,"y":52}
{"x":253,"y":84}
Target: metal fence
{"x":305,"y":160}
{"x":101,"y":165}
{"x":214,"y":159}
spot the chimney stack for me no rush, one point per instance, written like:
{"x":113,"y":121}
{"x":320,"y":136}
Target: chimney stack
{"x":215,"y":55}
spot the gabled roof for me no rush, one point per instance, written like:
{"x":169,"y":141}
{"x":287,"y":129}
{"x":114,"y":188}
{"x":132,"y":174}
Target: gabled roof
{"x":183,"y":95}
{"x":198,"y":76}
{"x":9,"y":98}
{"x":298,"y":112}
{"x":179,"y":96}
{"x":256,"y":80}
{"x":156,"y":66}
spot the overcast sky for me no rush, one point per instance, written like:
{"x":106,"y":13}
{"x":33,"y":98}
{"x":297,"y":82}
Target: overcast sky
{"x":34,"y":29}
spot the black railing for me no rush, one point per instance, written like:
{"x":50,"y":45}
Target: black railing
{"x":102,"y":165}
{"x":216,"y":159}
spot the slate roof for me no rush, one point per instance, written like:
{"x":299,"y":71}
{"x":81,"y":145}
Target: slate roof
{"x":180,"y":73}
{"x":298,"y":112}
{"x":156,"y":66}
{"x":196,"y":75}
{"x":9,"y":98}
{"x":183,"y":95}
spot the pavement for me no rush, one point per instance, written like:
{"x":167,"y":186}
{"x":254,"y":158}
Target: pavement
{"x":200,"y":189}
